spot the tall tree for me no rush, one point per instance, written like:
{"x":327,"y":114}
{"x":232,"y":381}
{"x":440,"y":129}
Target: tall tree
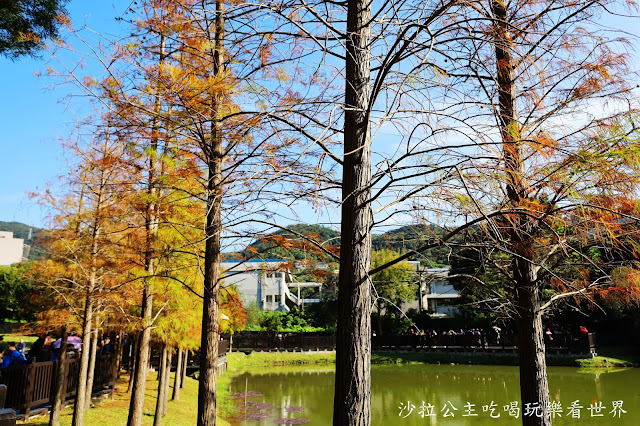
{"x":531,"y":184}
{"x":82,"y":242}
{"x":151,"y":223}
{"x":100,"y":204}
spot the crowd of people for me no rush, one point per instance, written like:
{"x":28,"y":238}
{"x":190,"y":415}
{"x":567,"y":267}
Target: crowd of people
{"x":554,"y":334}
{"x":45,"y":349}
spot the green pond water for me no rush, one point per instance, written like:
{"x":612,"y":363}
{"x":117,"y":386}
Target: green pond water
{"x":400,"y":392}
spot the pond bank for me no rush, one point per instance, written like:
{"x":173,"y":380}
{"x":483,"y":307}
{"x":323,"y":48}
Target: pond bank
{"x":240,"y":361}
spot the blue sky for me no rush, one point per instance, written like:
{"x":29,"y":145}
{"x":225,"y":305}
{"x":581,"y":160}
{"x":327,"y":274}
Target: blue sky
{"x":33,"y":119}
{"x":34,"y":116}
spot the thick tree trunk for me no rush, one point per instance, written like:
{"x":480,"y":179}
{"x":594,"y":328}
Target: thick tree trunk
{"x":80,"y":403}
{"x":58,"y":391}
{"x":177,"y":381}
{"x":210,"y":307}
{"x":534,"y":388}
{"x":167,"y":382}
{"x":92,"y":367}
{"x":352,"y":399}
{"x":157,"y":419}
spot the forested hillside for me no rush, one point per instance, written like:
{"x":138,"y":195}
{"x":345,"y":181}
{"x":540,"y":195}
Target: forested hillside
{"x":288,"y":244}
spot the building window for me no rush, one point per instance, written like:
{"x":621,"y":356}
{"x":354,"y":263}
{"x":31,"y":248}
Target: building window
{"x":269,"y":299}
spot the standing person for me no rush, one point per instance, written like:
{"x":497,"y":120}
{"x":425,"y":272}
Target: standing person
{"x":3,"y":345}
{"x":37,"y":347}
{"x":40,"y":348}
{"x":496,"y":331}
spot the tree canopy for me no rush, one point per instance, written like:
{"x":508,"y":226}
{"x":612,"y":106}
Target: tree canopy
{"x":25,"y":24}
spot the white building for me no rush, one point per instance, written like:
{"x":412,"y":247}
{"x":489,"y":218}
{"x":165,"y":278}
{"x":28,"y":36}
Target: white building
{"x":267,"y":283}
{"x":435,"y":294}
{"x":438,"y":296}
{"x":12,"y":250}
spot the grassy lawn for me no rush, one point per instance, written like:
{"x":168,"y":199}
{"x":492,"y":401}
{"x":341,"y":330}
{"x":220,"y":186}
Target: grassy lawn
{"x":611,"y":357}
{"x":114,"y":412}
{"x":241,"y":361}
{"x":604,"y":362}
{"x":28,"y":340}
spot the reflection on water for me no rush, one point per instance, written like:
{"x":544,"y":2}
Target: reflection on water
{"x":406,"y":395}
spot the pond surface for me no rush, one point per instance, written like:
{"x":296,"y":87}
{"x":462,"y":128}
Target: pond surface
{"x":288,"y":395}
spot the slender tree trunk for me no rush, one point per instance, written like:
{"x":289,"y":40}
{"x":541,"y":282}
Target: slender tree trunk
{"x":133,"y":361}
{"x":120,"y":352}
{"x":167,"y":382}
{"x":185,"y":364}
{"x":161,"y":365}
{"x":210,"y":307}
{"x":80,"y":403}
{"x":141,"y":368}
{"x":534,"y":388}
{"x":157,"y":419}
{"x":58,"y":391}
{"x":92,"y":366}
{"x":352,"y":399}
{"x":177,"y":381}
{"x":136,"y":405}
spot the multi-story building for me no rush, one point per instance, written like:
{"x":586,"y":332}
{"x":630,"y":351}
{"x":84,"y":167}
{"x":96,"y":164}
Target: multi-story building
{"x":435,"y":295}
{"x":438,"y":297}
{"x":268,"y":283}
{"x":12,"y":250}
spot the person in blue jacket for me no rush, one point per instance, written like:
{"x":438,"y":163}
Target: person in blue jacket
{"x":12,"y":357}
